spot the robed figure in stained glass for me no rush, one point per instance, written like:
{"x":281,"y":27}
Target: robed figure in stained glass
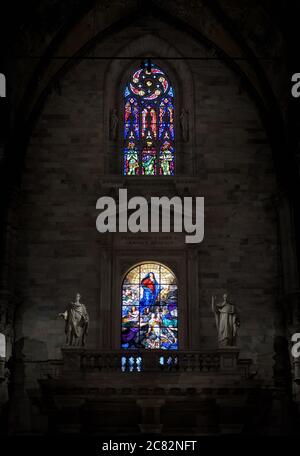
{"x":151,"y":291}
{"x":130,"y":330}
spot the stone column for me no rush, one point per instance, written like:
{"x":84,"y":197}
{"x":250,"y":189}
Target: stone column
{"x":290,"y":300}
{"x":105,"y":311}
{"x":288,"y":242}
{"x":8,"y":299}
{"x":193,"y":320}
{"x":289,"y":261}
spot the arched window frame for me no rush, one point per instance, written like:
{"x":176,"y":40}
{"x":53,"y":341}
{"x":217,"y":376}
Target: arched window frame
{"x":118,"y":72}
{"x":173,"y":285}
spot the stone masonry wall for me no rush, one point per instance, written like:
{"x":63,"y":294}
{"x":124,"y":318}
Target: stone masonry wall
{"x":66,"y":160}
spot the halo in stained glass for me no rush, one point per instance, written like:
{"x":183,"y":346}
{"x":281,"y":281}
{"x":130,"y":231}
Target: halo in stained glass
{"x":149,"y":123}
{"x":149,"y":308}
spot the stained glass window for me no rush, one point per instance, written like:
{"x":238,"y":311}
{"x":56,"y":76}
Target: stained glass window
{"x":149,"y":308}
{"x":149,"y":124}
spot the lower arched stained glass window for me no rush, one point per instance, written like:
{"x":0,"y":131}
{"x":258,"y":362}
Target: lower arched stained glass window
{"x":149,"y":308}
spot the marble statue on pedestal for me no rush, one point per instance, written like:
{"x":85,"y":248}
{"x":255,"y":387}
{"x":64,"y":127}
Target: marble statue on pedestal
{"x":76,"y":323}
{"x":227,"y":321}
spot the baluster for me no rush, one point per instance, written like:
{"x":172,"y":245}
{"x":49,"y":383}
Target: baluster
{"x":188,"y":357}
{"x":83,"y":361}
{"x":205,"y":363}
{"x":100,"y":362}
{"x":208,"y":361}
{"x":192,"y":362}
{"x":184,"y":362}
{"x":216,"y":362}
{"x":200,"y":362}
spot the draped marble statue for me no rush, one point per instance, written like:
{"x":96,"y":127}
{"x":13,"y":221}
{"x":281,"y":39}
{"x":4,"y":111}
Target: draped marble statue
{"x":76,"y":323}
{"x":227,"y":321}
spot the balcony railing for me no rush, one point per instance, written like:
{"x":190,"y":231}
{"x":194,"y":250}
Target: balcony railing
{"x":105,"y":361}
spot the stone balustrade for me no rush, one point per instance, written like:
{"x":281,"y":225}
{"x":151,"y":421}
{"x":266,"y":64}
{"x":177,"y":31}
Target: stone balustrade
{"x":209,"y":361}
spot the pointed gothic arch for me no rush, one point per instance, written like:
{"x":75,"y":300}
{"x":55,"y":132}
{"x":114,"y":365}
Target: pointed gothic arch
{"x":149,"y":130}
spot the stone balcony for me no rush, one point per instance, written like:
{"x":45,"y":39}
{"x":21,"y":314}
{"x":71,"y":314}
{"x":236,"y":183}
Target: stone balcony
{"x":161,"y":391}
{"x":93,"y":363}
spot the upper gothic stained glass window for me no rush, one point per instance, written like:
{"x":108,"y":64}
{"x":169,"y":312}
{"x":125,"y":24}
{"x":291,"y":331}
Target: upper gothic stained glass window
{"x":149,"y":124}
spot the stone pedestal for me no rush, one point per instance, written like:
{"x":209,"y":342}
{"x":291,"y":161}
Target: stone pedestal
{"x":150,"y":409}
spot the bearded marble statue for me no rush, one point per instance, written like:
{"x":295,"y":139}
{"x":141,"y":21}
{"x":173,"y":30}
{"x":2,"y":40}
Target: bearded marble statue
{"x":227,"y":321}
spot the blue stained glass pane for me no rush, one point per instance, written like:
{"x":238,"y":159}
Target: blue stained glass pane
{"x":131,"y":162}
{"x":171,"y":93}
{"x":126,"y":93}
